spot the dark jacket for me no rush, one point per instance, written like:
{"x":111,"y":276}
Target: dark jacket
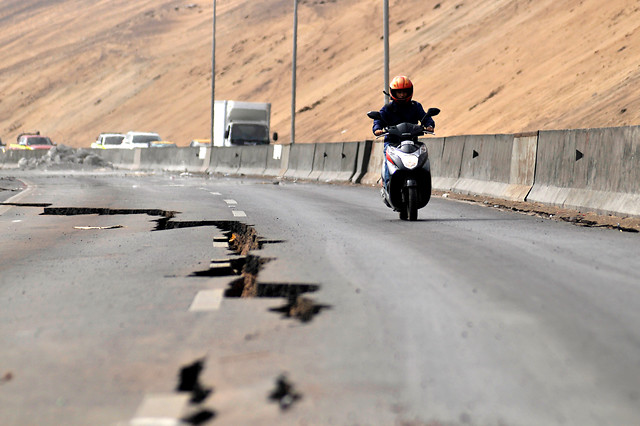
{"x":395,"y":113}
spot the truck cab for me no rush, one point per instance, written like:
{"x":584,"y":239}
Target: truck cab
{"x":247,"y":134}
{"x":239,"y":123}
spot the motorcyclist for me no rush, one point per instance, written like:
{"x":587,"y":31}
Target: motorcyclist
{"x":401,"y":109}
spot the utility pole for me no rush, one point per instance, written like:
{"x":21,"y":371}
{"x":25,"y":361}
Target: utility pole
{"x":213,"y":81}
{"x":293,"y":72}
{"x":385,"y":26}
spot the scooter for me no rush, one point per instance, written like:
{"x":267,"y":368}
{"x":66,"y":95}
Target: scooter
{"x":409,"y":186}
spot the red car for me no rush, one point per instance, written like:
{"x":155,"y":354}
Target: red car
{"x":31,"y":141}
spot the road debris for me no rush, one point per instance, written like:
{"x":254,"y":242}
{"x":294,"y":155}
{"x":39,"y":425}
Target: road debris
{"x":301,"y":308}
{"x":190,"y":382}
{"x":62,"y":157}
{"x":84,"y":228}
{"x":284,"y":393}
{"x":7,"y":377}
{"x":579,"y":218}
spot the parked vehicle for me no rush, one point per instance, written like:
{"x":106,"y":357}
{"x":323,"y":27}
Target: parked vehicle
{"x":409,"y":186}
{"x":198,"y":143}
{"x":108,"y":141}
{"x":144,"y":140}
{"x":140,"y":139}
{"x":32,"y":141}
{"x":162,"y":144}
{"x":241,"y":123}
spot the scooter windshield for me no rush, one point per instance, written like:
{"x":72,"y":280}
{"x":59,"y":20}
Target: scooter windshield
{"x":408,"y":148}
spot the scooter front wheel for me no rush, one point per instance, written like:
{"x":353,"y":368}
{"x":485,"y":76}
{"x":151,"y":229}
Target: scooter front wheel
{"x":412,"y":203}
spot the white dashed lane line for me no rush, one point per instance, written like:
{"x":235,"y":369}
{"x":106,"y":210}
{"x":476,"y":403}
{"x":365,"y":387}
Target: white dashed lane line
{"x":232,"y":204}
{"x":236,"y":213}
{"x":161,"y":409}
{"x":220,"y":242}
{"x":207,"y":300}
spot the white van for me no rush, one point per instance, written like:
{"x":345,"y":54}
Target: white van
{"x":140,"y":140}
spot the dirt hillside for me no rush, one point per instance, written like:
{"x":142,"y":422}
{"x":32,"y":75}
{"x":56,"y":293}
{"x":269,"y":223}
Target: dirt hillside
{"x":75,"y":68}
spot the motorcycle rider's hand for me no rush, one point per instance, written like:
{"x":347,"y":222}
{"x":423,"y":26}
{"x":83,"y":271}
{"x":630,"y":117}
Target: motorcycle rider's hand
{"x":429,"y":129}
{"x":378,"y":132}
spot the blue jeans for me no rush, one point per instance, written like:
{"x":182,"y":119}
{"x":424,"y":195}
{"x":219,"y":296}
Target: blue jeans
{"x":385,"y":169}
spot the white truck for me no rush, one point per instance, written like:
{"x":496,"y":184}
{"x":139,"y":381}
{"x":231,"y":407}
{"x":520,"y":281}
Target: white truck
{"x":241,"y":123}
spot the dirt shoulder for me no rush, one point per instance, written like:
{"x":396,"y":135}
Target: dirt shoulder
{"x":589,"y":219}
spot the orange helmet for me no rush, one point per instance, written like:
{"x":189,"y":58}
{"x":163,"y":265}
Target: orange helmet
{"x":401,"y":82}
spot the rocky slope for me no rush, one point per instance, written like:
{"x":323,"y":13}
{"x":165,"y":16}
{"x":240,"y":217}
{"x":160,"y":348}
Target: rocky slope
{"x":75,"y":68}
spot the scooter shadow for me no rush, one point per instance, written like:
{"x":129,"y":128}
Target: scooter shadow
{"x":451,"y":219}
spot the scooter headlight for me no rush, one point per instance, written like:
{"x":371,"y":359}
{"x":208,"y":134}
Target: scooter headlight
{"x":410,"y":161}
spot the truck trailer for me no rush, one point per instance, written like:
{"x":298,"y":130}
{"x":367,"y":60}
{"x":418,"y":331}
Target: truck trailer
{"x":241,"y":123}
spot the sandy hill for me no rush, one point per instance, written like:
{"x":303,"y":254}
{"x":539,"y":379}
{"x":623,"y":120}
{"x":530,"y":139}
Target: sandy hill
{"x":75,"y":68}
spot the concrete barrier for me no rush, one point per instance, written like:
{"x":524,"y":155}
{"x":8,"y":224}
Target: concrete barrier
{"x":486,"y":165}
{"x":584,"y":169}
{"x":446,"y":166}
{"x":589,"y":169}
{"x":363,"y":157}
{"x":300,"y":164}
{"x":275,"y":156}
{"x":373,"y":175}
{"x":334,"y":162}
{"x":226,"y":160}
{"x":340,"y":163}
{"x":253,"y":160}
{"x":120,"y":158}
{"x":171,"y":159}
{"x":435,"y":147}
{"x":10,"y":157}
{"x":523,"y":165}
{"x":204,"y":154}
{"x":500,"y":166}
{"x":322,"y":151}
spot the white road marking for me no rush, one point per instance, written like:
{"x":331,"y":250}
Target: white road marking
{"x":220,"y":242}
{"x":239,"y":213}
{"x":215,"y":193}
{"x":231,"y":202}
{"x":161,"y":409}
{"x":30,"y":188}
{"x":207,"y":300}
{"x":16,"y":221}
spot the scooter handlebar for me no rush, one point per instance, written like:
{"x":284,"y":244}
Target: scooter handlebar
{"x":386,"y":132}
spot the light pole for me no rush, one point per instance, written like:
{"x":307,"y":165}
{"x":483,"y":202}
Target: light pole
{"x":293,"y":72}
{"x":213,"y":81}
{"x":385,"y":25}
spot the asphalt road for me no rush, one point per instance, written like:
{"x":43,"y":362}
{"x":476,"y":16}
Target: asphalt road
{"x":468,"y":316}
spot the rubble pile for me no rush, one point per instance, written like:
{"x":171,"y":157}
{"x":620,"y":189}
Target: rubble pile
{"x":65,"y":157}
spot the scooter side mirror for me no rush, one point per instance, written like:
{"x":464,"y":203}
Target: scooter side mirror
{"x":374,"y":115}
{"x":433,"y":112}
